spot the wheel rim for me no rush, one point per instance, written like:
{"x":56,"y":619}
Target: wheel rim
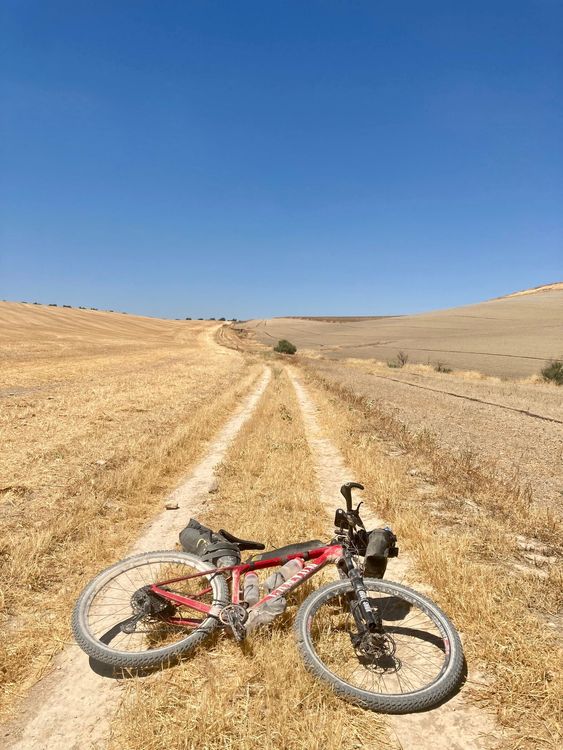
{"x":413,"y":654}
{"x":114,"y":607}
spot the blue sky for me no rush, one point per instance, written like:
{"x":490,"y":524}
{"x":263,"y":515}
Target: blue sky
{"x":264,"y":158}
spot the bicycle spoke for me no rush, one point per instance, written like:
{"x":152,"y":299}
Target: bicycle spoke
{"x":416,"y":653}
{"x":117,"y":605}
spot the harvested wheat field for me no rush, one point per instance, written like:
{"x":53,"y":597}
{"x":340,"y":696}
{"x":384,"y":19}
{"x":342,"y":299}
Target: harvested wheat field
{"x":507,"y":337}
{"x":106,"y":418}
{"x":515,"y":427}
{"x":101,"y":414}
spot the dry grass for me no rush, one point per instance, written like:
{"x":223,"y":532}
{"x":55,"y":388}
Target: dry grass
{"x":258,"y":695}
{"x":463,"y":474}
{"x":469,"y":552}
{"x":382,"y":368}
{"x":488,"y":426}
{"x":95,"y":432}
{"x":495,"y":384}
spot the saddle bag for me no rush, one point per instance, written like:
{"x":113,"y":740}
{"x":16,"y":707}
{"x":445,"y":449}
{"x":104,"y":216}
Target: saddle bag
{"x":380,"y":547}
{"x":211,"y":546}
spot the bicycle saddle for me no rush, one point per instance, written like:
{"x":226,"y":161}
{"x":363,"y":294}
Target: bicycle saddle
{"x":242,"y":544}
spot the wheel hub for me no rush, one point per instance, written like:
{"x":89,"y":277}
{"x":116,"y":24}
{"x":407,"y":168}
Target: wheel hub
{"x":376,"y":651}
{"x":145,"y":603}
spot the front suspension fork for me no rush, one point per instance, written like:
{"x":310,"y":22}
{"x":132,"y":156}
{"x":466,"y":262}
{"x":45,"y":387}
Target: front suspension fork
{"x":367,"y":620}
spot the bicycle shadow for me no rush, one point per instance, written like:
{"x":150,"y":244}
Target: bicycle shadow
{"x":394,"y":610}
{"x":126,"y":673}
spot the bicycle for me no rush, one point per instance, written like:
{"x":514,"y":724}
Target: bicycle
{"x":379,"y":644}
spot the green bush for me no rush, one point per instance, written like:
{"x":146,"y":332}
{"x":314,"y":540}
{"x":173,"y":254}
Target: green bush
{"x":553,"y":372}
{"x":285,"y":347}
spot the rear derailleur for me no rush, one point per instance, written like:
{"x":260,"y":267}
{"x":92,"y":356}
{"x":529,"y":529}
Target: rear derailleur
{"x":145,"y":604}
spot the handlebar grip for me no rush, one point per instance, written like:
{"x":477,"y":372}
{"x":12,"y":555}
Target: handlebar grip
{"x":346,"y":492}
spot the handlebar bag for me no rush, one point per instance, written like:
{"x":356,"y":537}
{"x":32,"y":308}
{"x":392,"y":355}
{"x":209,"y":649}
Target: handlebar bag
{"x":381,"y":546}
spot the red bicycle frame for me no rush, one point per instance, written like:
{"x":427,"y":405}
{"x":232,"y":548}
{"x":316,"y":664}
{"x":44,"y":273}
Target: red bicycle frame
{"x":318,"y":558}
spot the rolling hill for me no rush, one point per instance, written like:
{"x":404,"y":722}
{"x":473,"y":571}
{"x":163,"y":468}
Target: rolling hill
{"x":508,"y":337}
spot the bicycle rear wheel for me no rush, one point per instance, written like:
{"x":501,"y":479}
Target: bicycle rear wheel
{"x":106,"y":622}
{"x":415,"y":666}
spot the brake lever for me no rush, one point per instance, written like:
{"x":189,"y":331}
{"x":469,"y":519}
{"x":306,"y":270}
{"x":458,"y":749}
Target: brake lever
{"x":354,"y":517}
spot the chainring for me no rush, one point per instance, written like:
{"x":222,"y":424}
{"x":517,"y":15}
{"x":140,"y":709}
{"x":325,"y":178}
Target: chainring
{"x":234,"y":616}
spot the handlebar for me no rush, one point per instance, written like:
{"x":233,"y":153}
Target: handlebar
{"x":346,"y":492}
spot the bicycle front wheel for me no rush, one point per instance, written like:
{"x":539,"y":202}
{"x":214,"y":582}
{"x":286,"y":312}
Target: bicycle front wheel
{"x":413,"y":666}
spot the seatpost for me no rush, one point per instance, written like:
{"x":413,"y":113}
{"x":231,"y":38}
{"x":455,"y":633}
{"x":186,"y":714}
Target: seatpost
{"x":346,"y":492}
